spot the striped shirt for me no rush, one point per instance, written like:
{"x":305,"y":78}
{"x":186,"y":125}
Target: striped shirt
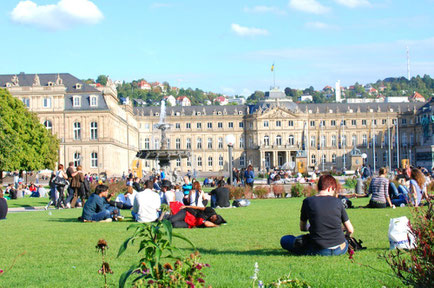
{"x":379,"y":188}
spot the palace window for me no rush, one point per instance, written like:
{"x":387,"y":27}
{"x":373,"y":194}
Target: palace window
{"x":241,"y":142}
{"x":178,"y":143}
{"x":278,"y":123}
{"x":323,"y":141}
{"x":323,"y":158}
{"x":313,"y":159}
{"x":188,"y":162}
{"x":168,"y":143}
{"x":77,"y":130}
{"x":291,"y":123}
{"x":146,"y":143}
{"x":243,"y":159}
{"x":333,"y":123}
{"x":210,"y":161}
{"x":364,"y":122}
{"x":48,"y":125}
{"x":334,"y":159}
{"x":220,"y":143}
{"x":364,"y":140}
{"x":178,"y":125}
{"x":77,"y":157}
{"x":198,"y":125}
{"x":188,"y":143}
{"x":312,"y":141}
{"x":47,"y":102}
{"x":199,"y":143}
{"x":291,"y":140}
{"x":178,"y":162}
{"x":374,"y":122}
{"x":265,"y":123}
{"x":354,"y":140}
{"x":76,"y":101}
{"x":156,"y":143}
{"x":322,"y":123}
{"x":93,"y":101}
{"x":188,"y":125}
{"x":312,"y":123}
{"x":209,"y":125}
{"x":333,"y":140}
{"x":383,"y":121}
{"x":221,"y":160}
{"x":93,"y":130}
{"x":354,"y":122}
{"x":26,"y":101}
{"x":220,"y":125}
{"x":241,"y":124}
{"x":199,"y":161}
{"x":94,"y":160}
{"x":209,"y":143}
{"x":266,"y":140}
{"x":344,"y":140}
{"x":278,"y":140}
{"x":231,"y":124}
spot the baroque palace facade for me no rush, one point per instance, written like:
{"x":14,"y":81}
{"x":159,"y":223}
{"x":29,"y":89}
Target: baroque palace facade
{"x":104,"y":136}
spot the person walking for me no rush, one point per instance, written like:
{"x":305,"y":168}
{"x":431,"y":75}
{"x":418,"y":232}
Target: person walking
{"x":249,"y":176}
{"x":78,"y":187}
{"x":60,"y":188}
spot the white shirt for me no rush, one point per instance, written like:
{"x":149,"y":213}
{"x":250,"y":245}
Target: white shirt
{"x":129,"y":199}
{"x":146,"y":206}
{"x":170,"y":196}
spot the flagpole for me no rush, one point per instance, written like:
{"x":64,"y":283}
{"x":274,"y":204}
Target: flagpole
{"x":343,"y":146}
{"x":397,"y":143}
{"x":388,"y":136}
{"x":373,"y":145}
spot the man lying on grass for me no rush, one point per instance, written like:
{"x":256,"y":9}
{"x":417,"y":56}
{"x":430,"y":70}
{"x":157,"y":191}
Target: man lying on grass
{"x":325,"y":214}
{"x":192,"y":216}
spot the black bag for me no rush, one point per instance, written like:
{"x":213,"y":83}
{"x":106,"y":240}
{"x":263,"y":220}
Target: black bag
{"x":59,"y":181}
{"x":346,"y":202}
{"x":354,"y":244}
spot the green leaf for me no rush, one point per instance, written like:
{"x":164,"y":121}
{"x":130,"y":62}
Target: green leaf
{"x":168,"y":227}
{"x":124,"y":277}
{"x":124,"y":246}
{"x":184,"y":238}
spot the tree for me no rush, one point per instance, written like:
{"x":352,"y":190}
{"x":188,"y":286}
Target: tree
{"x":102,"y":79}
{"x":25,"y":144}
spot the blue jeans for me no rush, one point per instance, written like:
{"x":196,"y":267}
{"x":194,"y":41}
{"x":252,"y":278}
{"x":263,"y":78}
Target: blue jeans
{"x":101,"y":215}
{"x":213,"y":201}
{"x":287,"y":242}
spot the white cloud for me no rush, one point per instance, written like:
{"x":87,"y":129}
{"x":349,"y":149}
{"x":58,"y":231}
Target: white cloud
{"x":248,"y":31}
{"x":265,"y":9}
{"x":161,"y":5}
{"x":318,"y":25}
{"x":309,"y":6}
{"x":62,"y":15}
{"x":354,"y":3}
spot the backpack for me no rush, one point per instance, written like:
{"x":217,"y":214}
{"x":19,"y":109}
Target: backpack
{"x":241,"y":203}
{"x":346,"y":202}
{"x":354,"y":244}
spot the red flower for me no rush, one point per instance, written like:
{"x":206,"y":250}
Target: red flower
{"x":351,"y":253}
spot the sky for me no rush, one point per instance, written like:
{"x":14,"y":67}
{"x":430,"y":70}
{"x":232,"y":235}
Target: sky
{"x":220,"y":46}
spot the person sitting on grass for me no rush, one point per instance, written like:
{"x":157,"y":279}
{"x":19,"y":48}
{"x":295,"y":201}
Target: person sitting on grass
{"x":186,"y":188}
{"x":197,"y":197}
{"x":191,"y":216}
{"x":220,"y":196}
{"x":94,"y":209}
{"x":379,"y":189}
{"x":146,"y":204}
{"x":322,"y":215}
{"x":127,"y":198}
{"x":3,"y":206}
{"x":417,"y":184}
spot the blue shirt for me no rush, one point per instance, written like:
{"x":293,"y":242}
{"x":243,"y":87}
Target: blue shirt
{"x":250,"y":176}
{"x":93,"y":205}
{"x":186,"y":188}
{"x":418,"y":190}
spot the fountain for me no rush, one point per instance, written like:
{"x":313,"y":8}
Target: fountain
{"x":163,"y":155}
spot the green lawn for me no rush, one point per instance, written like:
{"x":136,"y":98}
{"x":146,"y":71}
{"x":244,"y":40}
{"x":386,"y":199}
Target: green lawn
{"x":28,"y":202}
{"x":60,"y":252}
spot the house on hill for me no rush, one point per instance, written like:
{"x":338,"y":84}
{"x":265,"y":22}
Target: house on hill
{"x":416,"y":97}
{"x":221,"y":100}
{"x":143,"y":85}
{"x":183,"y":101}
{"x":328,"y":88}
{"x":170,"y":99}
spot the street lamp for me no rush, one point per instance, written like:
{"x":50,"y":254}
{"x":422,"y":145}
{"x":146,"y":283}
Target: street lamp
{"x":230,"y":141}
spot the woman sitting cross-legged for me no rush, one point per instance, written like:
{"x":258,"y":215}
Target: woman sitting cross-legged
{"x":325,"y":214}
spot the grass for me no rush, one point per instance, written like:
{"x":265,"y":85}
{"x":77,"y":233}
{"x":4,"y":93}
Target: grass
{"x":60,"y":252}
{"x":28,"y":202}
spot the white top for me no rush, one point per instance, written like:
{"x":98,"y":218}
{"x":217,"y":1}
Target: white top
{"x":146,"y":206}
{"x":170,"y":196}
{"x":192,"y":198}
{"x":129,"y":199}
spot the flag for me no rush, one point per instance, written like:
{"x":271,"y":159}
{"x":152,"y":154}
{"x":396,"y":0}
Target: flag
{"x":272,"y":67}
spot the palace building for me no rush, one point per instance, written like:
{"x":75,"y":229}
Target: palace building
{"x":104,"y":135}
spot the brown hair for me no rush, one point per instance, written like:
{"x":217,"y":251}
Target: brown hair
{"x":129,"y":190}
{"x":326,"y":181}
{"x":79,"y":168}
{"x":417,"y":175}
{"x":60,"y":167}
{"x":383,"y":171}
{"x":196,"y":185}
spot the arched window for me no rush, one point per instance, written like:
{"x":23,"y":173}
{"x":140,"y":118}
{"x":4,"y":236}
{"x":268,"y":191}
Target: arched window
{"x":278,"y":140}
{"x":291,"y":140}
{"x":77,"y":131}
{"x":210,"y":161}
{"x":77,"y":158}
{"x":266,"y":140}
{"x":209,"y":143}
{"x":48,"y":125}
{"x":93,"y":130}
{"x":94,"y":160}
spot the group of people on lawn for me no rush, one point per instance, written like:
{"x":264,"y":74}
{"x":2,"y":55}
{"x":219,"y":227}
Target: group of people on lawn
{"x":187,"y":203}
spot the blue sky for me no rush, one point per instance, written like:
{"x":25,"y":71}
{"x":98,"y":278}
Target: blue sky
{"x":221,"y":46}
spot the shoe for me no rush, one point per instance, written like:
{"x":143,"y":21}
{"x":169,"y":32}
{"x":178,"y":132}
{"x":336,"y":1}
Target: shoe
{"x":119,"y":218}
{"x":88,"y":221}
{"x":46,"y":208}
{"x":68,"y":205}
{"x":107,"y":220}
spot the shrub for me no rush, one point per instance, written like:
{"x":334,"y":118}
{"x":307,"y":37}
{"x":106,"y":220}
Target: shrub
{"x":429,"y":187}
{"x":309,"y":190}
{"x":415,"y":267}
{"x":239,"y":193}
{"x":116,"y":187}
{"x":261,"y":192}
{"x":297,"y":190}
{"x":279,"y":190}
{"x":350,"y":183}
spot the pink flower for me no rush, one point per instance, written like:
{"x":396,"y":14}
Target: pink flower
{"x":351,"y":253}
{"x":1,"y":271}
{"x":199,"y":266}
{"x":190,"y":284}
{"x":200,"y":280}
